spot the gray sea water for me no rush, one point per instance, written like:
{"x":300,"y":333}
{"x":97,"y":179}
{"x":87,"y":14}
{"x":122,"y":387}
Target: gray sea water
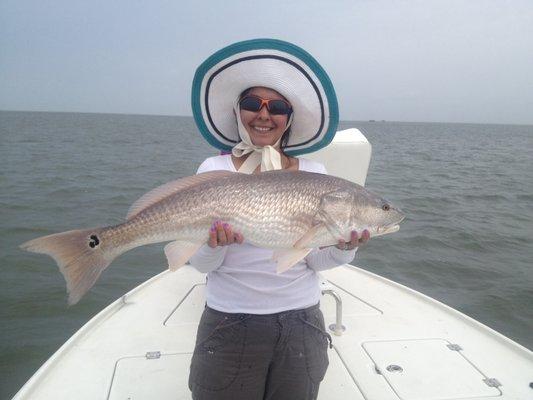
{"x":467,"y":191}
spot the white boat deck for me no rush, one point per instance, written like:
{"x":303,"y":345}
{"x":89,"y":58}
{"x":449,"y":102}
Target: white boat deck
{"x":398,"y":344}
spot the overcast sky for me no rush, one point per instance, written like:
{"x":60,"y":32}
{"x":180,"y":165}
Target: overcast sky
{"x":420,"y":60}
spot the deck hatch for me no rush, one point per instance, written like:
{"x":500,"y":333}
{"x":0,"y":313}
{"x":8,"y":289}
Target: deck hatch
{"x":426,"y":369}
{"x":143,"y":377}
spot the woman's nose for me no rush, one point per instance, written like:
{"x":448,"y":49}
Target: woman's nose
{"x":263,"y":112}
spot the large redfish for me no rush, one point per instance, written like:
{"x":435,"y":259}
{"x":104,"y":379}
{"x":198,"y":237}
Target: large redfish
{"x":288,"y":211}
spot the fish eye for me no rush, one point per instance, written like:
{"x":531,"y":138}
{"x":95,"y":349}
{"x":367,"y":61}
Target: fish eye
{"x":385,"y":207}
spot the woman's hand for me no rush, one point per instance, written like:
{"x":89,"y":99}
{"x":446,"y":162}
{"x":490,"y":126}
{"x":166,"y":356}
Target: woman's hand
{"x":221,"y":234}
{"x":355,"y":241}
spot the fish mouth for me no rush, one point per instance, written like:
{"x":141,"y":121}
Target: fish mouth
{"x":383,"y":230}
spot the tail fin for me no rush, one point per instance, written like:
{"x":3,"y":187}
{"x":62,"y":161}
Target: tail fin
{"x":80,"y":255}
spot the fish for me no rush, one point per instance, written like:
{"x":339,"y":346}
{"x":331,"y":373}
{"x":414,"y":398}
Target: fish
{"x":290,"y":212}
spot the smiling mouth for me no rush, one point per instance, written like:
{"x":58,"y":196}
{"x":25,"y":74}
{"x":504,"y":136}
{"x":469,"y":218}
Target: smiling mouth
{"x":262,"y":129}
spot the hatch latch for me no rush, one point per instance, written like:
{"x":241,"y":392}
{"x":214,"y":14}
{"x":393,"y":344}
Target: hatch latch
{"x":492,"y":382}
{"x":153,"y":355}
{"x":454,"y":347}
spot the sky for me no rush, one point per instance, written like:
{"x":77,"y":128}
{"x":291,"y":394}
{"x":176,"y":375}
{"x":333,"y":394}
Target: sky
{"x":418,"y":60}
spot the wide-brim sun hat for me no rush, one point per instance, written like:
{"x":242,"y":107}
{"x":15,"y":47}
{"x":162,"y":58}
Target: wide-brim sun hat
{"x":270,"y":63}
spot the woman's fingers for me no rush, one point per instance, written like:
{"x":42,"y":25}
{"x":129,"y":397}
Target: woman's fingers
{"x":342,"y":245}
{"x":352,"y":244}
{"x":230,"y":238}
{"x":221,"y":234}
{"x":365,"y":237}
{"x":212,"y":242}
{"x":356,"y":240}
{"x":359,"y":240}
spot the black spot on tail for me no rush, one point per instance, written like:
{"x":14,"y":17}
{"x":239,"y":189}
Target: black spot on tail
{"x":94,"y":241}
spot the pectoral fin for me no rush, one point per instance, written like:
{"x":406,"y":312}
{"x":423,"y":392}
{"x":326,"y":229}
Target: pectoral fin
{"x":179,"y":252}
{"x":286,"y":258}
{"x":308,"y":236}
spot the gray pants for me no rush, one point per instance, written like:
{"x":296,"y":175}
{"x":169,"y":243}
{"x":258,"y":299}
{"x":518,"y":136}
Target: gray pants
{"x":259,"y":357}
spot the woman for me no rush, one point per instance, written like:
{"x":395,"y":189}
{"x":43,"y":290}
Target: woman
{"x":262,"y":334}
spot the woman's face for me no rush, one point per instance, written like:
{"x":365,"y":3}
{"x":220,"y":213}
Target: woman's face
{"x":264,"y":128}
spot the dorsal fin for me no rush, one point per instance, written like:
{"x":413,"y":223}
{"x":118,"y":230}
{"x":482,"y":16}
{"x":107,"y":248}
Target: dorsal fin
{"x":170,"y":188}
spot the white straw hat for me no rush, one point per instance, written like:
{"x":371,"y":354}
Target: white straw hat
{"x":270,"y":63}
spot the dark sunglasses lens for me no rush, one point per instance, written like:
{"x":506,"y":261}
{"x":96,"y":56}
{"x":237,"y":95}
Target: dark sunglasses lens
{"x":278,"y":107}
{"x":250,"y":104}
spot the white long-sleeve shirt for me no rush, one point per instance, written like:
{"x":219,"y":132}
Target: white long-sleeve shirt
{"x":242,"y":278}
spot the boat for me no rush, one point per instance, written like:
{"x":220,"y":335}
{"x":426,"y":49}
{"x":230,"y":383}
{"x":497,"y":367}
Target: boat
{"x":389,"y":341}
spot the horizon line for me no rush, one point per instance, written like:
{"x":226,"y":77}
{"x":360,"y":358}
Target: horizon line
{"x":344,"y":120}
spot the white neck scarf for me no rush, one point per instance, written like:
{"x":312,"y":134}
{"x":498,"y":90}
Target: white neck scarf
{"x":268,"y":157}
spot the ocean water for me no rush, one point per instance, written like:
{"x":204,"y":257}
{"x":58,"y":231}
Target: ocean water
{"x":467,"y":191}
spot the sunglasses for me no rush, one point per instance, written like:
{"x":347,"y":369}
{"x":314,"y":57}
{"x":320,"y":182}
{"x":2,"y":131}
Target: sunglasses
{"x":274,"y":107}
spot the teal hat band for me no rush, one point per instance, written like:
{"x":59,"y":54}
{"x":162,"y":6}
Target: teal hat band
{"x":275,"y":64}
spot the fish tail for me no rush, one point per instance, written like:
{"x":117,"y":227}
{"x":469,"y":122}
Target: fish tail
{"x":80,"y":254}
